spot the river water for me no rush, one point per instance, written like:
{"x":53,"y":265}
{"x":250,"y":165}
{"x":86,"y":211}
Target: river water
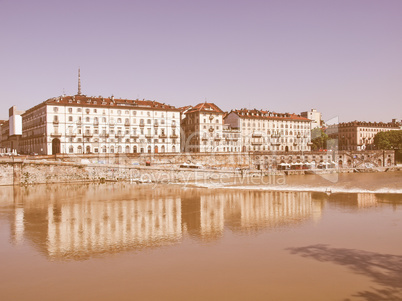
{"x":273,"y":239}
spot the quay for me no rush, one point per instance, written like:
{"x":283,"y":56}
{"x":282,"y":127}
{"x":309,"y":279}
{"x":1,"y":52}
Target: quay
{"x":169,"y":168}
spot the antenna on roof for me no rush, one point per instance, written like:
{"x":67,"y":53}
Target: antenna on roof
{"x":79,"y":82}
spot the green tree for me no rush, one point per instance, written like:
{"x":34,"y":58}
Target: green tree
{"x":390,"y":140}
{"x":319,"y":139}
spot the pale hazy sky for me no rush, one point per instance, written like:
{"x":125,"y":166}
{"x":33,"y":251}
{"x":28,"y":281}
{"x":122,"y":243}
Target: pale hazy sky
{"x":342,"y":57}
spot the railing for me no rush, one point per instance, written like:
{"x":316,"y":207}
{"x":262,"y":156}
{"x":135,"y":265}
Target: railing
{"x":88,"y":135}
{"x":162,"y":136}
{"x":55,"y":135}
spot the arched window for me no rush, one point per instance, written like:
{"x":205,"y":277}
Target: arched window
{"x":71,"y":149}
{"x":127,"y":149}
{"x":79,"y":148}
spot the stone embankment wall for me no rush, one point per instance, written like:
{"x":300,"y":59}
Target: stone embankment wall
{"x":258,"y":160}
{"x":36,"y":172}
{"x":165,"y":167}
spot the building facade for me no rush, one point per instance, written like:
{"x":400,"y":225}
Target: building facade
{"x":314,"y":116}
{"x":11,"y":131}
{"x":269,"y":131}
{"x":81,"y":124}
{"x":359,"y":135}
{"x":203,"y":130}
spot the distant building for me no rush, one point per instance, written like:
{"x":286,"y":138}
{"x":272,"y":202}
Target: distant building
{"x":203,"y":130}
{"x":359,"y":135}
{"x":314,"y":116}
{"x":11,"y":131}
{"x":270,"y":131}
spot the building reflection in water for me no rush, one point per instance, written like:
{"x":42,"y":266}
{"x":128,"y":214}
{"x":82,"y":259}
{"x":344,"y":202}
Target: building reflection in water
{"x":80,"y":221}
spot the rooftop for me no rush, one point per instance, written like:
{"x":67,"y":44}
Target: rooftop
{"x":261,"y":114}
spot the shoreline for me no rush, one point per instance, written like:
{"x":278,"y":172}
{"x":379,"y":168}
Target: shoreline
{"x":33,"y":172}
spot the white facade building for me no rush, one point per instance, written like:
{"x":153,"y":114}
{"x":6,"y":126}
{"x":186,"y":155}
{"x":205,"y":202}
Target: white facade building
{"x":203,"y":130}
{"x":82,"y":124}
{"x":314,"y":116}
{"x":269,"y":131}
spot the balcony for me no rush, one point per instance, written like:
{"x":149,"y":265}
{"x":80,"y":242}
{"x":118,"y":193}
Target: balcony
{"x":142,"y":125}
{"x":71,"y":135}
{"x":217,"y":138}
{"x":104,"y":135}
{"x":55,"y":135}
{"x":156,"y":124}
{"x":275,"y":143}
{"x":173,"y":125}
{"x":79,"y":122}
{"x":162,"y":136}
{"x":119,"y":135}
{"x":257,"y":134}
{"x":127,"y":124}
{"x":88,"y":135}
{"x":256,"y":143}
{"x":204,"y":138}
{"x":174,"y":136}
{"x":55,"y":122}
{"x":96,"y":124}
{"x":275,"y":136}
{"x":148,"y":136}
{"x":134,"y":136}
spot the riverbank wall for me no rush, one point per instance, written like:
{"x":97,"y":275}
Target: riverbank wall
{"x":165,"y":168}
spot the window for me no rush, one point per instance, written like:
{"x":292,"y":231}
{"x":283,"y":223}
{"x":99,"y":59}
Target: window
{"x":70,"y":118}
{"x":55,"y":109}
{"x":70,"y":110}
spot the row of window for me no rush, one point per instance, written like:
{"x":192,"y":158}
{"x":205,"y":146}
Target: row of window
{"x":119,"y":112}
{"x":119,"y":149}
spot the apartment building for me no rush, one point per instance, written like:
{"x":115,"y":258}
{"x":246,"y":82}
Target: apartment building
{"x":269,"y":131}
{"x":11,"y":131}
{"x":314,"y":116}
{"x":203,"y":130}
{"x":86,"y":124}
{"x":359,"y":135}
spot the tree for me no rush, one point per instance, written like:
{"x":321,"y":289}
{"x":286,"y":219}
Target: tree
{"x":319,"y":139}
{"x":390,"y":140}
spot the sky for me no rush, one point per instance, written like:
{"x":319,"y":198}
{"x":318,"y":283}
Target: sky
{"x":341,"y":57}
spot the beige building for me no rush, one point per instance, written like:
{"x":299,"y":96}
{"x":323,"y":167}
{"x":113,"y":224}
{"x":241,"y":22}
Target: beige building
{"x":359,"y":135}
{"x":203,"y":130}
{"x":86,"y":124}
{"x":270,"y":131}
{"x":314,"y":116}
{"x":11,"y":132}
